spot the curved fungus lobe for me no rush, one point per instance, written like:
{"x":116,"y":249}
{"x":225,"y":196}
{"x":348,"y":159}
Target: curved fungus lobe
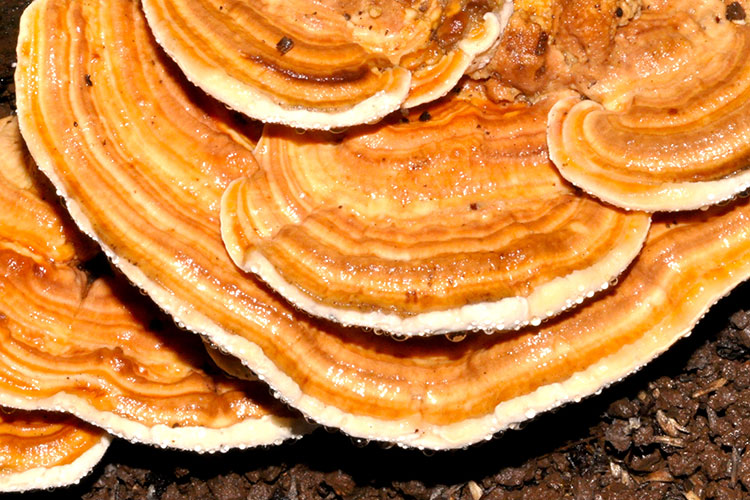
{"x":329,"y":63}
{"x":455,"y":223}
{"x":40,"y":450}
{"x":424,"y":392}
{"x":93,"y":348}
{"x":31,"y":224}
{"x":673,"y":132}
{"x":94,"y":352}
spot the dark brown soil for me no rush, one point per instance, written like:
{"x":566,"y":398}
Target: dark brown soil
{"x":679,"y":429}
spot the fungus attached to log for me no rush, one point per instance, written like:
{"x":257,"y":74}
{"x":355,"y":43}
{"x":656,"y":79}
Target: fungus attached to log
{"x":40,"y":450}
{"x":326,"y":64}
{"x":452,"y":224}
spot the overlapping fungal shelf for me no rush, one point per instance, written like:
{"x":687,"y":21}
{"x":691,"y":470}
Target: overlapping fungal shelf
{"x":411,"y":250}
{"x":677,"y":140}
{"x":37,"y":449}
{"x":285,"y":247}
{"x":96,"y":348}
{"x":324,"y":65}
{"x":42,"y":450}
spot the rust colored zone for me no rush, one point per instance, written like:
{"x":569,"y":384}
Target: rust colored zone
{"x":66,"y":331}
{"x":30,"y":440}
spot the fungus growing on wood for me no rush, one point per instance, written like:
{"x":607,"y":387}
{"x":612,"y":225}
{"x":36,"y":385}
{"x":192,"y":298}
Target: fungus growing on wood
{"x":326,"y":64}
{"x":423,"y":227}
{"x":40,"y":450}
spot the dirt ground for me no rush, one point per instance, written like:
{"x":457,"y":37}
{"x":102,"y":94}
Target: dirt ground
{"x":679,"y":430}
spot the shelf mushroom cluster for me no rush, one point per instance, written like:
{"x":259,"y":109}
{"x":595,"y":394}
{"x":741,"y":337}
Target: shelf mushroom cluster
{"x":353,"y":270}
{"x":91,"y":346}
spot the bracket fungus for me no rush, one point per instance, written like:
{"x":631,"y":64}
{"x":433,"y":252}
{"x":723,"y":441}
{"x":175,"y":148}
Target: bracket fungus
{"x":466,"y":226}
{"x":37,"y":449}
{"x":669,"y":124}
{"x":326,"y":64}
{"x":40,"y":450}
{"x":142,"y":160}
{"x":69,"y":342}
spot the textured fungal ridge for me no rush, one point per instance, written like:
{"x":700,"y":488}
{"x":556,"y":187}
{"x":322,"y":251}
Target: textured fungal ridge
{"x":410,"y":251}
{"x":326,"y":64}
{"x":671,"y":128}
{"x":95,"y":348}
{"x":42,"y":450}
{"x":474,"y":196}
